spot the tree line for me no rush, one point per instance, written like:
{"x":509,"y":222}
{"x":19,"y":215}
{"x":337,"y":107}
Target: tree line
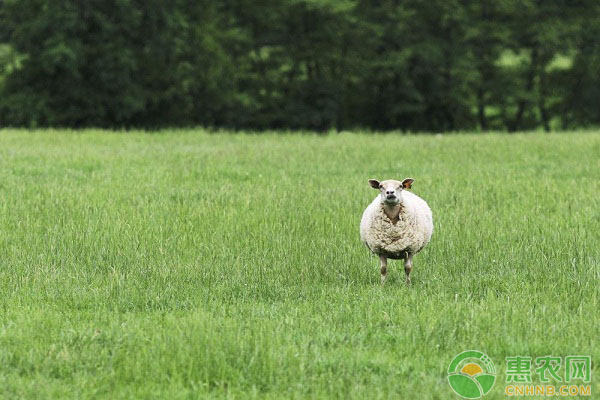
{"x":412,"y":65}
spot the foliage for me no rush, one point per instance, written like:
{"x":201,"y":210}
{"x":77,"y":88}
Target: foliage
{"x":437,"y":65}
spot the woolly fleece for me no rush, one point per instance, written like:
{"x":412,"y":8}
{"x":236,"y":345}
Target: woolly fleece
{"x":410,"y":234}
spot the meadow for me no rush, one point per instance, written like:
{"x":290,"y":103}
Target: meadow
{"x":184,"y":264}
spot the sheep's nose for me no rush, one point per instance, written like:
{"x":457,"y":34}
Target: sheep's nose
{"x":388,"y":192}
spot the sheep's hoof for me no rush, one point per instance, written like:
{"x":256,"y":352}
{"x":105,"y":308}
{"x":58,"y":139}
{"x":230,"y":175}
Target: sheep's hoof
{"x":383,"y":277}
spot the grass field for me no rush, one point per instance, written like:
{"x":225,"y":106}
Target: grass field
{"x":188,"y":265}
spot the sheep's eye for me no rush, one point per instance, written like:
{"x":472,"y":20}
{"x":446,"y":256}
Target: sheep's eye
{"x":380,"y":186}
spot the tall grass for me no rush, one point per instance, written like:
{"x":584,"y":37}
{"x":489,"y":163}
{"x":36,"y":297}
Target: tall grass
{"x":189,"y":265}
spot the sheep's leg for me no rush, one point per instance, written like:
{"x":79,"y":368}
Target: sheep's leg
{"x":408,"y":267}
{"x":383,"y":261}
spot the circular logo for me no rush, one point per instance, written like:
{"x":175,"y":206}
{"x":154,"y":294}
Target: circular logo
{"x":471,"y":374}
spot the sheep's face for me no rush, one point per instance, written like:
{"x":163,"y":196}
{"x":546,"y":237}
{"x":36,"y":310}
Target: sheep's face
{"x":391,"y":189}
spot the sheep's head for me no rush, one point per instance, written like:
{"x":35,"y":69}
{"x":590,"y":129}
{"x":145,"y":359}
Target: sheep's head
{"x":391,"y":190}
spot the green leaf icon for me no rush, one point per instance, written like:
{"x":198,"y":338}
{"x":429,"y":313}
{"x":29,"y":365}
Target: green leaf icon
{"x":471,"y":374}
{"x":486,"y":381}
{"x":465,"y":386}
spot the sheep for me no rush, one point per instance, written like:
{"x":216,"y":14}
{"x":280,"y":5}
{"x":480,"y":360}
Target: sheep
{"x":397,"y":224}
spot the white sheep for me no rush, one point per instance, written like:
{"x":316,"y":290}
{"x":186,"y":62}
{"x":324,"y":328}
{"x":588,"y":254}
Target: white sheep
{"x":397,"y":224}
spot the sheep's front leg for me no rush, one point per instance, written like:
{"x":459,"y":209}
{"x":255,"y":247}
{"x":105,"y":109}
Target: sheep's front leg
{"x":383,"y":261}
{"x":408,"y":267}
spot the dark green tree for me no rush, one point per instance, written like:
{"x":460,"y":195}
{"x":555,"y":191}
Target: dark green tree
{"x":413,"y":65}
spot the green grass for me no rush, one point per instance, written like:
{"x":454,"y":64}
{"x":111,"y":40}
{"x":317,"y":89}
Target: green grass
{"x":189,"y":265}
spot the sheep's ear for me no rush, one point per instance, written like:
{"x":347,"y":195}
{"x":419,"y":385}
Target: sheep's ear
{"x":374,"y":183}
{"x":407,"y":183}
